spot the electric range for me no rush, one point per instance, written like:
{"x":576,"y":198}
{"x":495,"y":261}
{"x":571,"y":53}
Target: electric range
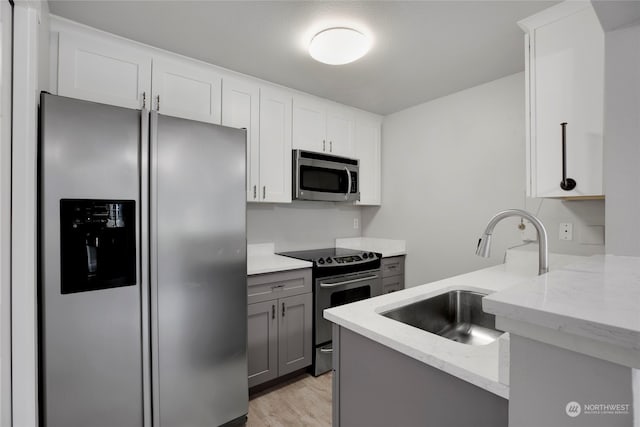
{"x":340,"y":276}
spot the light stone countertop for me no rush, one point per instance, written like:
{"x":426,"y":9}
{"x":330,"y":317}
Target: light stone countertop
{"x":387,"y":247}
{"x":478,"y":365}
{"x":262,"y":259}
{"x":596,"y":299}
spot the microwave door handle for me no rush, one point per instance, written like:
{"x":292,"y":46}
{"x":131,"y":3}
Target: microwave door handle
{"x":346,"y":195}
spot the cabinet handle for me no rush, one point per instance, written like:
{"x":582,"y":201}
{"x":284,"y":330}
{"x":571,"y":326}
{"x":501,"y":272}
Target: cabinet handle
{"x":273,"y":311}
{"x":567,"y":184}
{"x":324,"y":145}
{"x":144,"y":100}
{"x":254,"y":192}
{"x":264,"y":192}
{"x":331,"y":146}
{"x":282,"y":309}
{"x":158,"y":103}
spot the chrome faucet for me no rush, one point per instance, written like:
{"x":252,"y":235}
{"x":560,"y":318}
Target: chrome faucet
{"x":484,"y":244}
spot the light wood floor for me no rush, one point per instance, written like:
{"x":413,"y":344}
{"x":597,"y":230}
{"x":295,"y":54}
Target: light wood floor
{"x":304,"y":401}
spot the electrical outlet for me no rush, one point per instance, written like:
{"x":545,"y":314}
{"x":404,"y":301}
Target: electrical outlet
{"x":566,"y":231}
{"x":356,"y":223}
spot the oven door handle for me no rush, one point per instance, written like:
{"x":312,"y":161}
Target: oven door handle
{"x":346,"y":282}
{"x":346,"y":195}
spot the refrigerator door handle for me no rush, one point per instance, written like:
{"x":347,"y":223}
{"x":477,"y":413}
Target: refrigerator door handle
{"x":152,"y":206}
{"x":144,"y":262}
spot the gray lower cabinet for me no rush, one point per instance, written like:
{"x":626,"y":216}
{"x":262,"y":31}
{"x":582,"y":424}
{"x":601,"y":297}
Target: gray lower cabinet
{"x":294,"y":333}
{"x":263,"y":342}
{"x":279,"y":324}
{"x":376,"y":386}
{"x":392,"y":274}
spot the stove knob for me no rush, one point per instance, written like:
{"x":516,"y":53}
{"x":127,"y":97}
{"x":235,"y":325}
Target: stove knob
{"x":371,"y":255}
{"x":329,"y":260}
{"x":365,"y":255}
{"x":321,"y":261}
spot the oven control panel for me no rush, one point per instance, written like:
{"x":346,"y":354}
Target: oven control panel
{"x":347,"y":260}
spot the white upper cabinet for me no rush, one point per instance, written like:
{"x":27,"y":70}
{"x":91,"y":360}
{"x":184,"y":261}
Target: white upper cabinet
{"x":187,"y":90}
{"x":100,"y":70}
{"x":367,"y":150}
{"x":110,"y":70}
{"x":309,"y":124}
{"x":322,"y":127}
{"x":340,"y":130}
{"x":275,"y":145}
{"x":565,"y":84}
{"x":96,"y":66}
{"x":266,"y":114}
{"x":241,"y":109}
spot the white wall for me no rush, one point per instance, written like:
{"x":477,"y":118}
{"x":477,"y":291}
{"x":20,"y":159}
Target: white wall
{"x":587,"y":217}
{"x":301,"y":225}
{"x":448,"y":166}
{"x":622,"y":140}
{"x":30,"y":76}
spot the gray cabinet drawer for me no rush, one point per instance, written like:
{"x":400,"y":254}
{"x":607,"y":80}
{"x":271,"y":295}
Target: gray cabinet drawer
{"x":269,"y":286}
{"x":392,"y":266}
{"x":392,"y":284}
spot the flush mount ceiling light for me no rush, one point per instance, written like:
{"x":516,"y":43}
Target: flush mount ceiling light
{"x":339,"y":45}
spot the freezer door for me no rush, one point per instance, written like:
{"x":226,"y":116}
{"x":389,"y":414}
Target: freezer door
{"x":89,"y":292}
{"x":198,"y":272}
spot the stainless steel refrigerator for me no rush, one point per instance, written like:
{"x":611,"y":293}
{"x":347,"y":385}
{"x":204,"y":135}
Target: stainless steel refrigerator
{"x":142,"y":269}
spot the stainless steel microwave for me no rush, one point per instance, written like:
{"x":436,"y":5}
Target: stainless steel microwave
{"x":325,"y":177}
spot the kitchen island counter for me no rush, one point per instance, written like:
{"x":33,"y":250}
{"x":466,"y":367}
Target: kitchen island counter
{"x":478,"y":365}
{"x":589,"y":307}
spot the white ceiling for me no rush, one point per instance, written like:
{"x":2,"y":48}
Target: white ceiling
{"x":422,"y":49}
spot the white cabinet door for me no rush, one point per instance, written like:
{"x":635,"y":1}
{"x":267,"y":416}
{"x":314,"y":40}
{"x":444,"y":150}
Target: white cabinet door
{"x":185,"y":89}
{"x":309,"y":124}
{"x":340,"y":130}
{"x":110,"y":72}
{"x":241,"y":109}
{"x":275,"y":145}
{"x":566,"y":83}
{"x":368,"y":152}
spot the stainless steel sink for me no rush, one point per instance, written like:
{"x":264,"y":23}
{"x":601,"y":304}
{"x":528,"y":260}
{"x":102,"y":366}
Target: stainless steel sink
{"x":456,"y":315}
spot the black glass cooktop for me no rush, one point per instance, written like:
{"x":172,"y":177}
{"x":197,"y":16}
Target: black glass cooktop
{"x":315,"y":254}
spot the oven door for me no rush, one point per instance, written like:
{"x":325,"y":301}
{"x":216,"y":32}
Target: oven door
{"x":338,"y":290}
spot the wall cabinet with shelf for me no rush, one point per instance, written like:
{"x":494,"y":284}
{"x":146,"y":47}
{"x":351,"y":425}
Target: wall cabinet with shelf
{"x":279,"y":324}
{"x":565,"y":96}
